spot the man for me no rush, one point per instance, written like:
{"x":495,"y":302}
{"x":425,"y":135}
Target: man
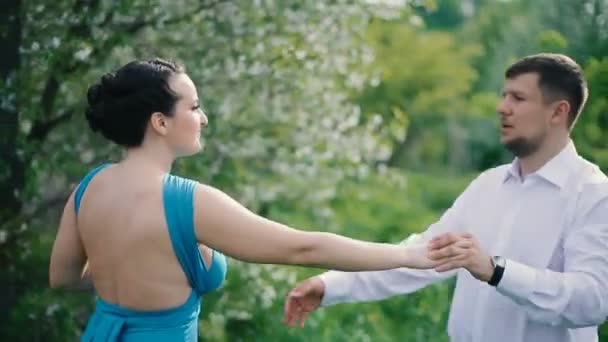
{"x":536,"y":267}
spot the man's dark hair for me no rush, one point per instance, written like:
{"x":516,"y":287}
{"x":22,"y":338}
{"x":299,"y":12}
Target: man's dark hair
{"x":121,"y":103}
{"x":560,"y":77}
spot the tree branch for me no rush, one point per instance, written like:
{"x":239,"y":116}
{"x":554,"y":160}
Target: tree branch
{"x":50,"y":203}
{"x":49,"y":94}
{"x":136,"y":26}
{"x":80,"y":29}
{"x":41,"y":128}
{"x":12,"y":177}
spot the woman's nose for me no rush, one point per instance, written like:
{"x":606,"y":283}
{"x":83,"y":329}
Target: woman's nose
{"x":204,"y":120}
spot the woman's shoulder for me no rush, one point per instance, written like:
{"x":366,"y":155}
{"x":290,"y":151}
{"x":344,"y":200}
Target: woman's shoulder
{"x":84,"y":183}
{"x":180,"y":181}
{"x":94,"y":170}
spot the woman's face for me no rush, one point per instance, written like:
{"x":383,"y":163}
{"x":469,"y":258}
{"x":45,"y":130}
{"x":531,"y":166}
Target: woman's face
{"x":188,"y":119}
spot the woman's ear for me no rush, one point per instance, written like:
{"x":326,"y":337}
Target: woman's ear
{"x":158,"y":121}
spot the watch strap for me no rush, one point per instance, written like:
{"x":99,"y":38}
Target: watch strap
{"x":499,"y":270}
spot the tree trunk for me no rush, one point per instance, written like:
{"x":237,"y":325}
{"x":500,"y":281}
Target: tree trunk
{"x":12,"y":165}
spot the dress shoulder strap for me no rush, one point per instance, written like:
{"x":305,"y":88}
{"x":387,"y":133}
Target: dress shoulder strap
{"x":178,"y":202}
{"x":83,"y":185}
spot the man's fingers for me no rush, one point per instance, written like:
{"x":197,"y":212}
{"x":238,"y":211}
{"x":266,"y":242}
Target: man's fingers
{"x":298,"y":317}
{"x":294,"y":316}
{"x":450,"y":265}
{"x":462,"y":259}
{"x":442,"y":240}
{"x":288,"y":313}
{"x":465,"y":243}
{"x":303,"y":317}
{"x":446,"y":239}
{"x":445,"y":252}
{"x":301,"y":301}
{"x":458,"y":248}
{"x":288,"y":304}
{"x":291,"y":306}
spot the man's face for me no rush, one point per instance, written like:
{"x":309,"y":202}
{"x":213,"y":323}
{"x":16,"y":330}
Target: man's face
{"x":525,"y":116}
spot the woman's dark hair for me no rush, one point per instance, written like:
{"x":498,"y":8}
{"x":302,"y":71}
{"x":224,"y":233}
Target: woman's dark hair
{"x":121,"y":103}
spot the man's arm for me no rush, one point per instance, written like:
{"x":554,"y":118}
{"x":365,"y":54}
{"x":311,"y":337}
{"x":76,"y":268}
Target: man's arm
{"x":577,"y":297}
{"x":348,"y":287}
{"x":341,"y":287}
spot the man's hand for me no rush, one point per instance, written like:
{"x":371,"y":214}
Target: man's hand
{"x":456,"y":250}
{"x":302,"y":300}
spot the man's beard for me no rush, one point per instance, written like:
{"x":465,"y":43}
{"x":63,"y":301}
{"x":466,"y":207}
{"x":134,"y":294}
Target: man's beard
{"x":522,"y":147}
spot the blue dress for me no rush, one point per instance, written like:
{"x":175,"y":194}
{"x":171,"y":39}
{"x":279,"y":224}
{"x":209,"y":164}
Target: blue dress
{"x":111,"y":322}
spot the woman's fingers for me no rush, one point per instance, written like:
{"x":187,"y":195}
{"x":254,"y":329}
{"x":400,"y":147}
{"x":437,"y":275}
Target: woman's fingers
{"x":457,"y":248}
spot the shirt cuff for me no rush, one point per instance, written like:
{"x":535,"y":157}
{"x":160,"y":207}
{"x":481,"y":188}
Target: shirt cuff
{"x":336,"y":289}
{"x":517,"y":281}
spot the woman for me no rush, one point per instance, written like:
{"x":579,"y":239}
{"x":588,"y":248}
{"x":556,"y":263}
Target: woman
{"x":142,"y":228}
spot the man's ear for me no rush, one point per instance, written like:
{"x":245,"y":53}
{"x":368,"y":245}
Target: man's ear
{"x":159,"y":123}
{"x":561,"y":112}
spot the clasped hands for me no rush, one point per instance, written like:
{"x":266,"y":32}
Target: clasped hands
{"x":451,"y":251}
{"x":445,"y":252}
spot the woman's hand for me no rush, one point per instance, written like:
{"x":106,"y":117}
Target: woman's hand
{"x":417,"y":253}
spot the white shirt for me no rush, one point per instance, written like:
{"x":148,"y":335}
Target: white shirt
{"x":552,"y":227}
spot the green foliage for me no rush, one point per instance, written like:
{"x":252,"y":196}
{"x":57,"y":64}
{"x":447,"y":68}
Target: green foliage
{"x":360,"y":118}
{"x":551,"y":40}
{"x":384,"y":206}
{"x":44,"y":315}
{"x":592,"y":127}
{"x":582,"y":23}
{"x":419,"y":79}
{"x":446,"y":15}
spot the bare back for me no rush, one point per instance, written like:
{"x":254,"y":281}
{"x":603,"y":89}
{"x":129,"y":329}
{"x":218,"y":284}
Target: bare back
{"x":124,"y":232}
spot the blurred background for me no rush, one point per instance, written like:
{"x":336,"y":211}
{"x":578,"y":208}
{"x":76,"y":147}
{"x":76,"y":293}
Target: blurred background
{"x":364,"y":118}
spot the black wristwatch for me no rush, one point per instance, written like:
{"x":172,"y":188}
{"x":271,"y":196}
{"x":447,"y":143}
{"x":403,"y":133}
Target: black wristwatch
{"x":499,"y":269}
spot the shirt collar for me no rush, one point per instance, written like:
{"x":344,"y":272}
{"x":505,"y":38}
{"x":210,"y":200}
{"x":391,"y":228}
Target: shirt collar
{"x":513,"y":171}
{"x":555,"y":171}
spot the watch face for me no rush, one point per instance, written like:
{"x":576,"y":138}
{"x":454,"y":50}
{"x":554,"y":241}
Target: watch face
{"x":498,"y":261}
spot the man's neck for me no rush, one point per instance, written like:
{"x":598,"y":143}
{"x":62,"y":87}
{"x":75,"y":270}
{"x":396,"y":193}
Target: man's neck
{"x":538,"y":159}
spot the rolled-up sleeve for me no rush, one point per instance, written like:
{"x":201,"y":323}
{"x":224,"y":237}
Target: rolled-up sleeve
{"x":577,"y":297}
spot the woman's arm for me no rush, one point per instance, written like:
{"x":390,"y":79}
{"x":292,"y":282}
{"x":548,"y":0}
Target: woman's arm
{"x":225,"y":225}
{"x":68,"y":258}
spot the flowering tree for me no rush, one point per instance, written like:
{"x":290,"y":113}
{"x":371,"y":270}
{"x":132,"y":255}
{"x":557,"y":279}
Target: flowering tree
{"x":273,"y":76}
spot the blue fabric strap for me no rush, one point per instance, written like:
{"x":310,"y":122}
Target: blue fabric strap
{"x":83,"y":185}
{"x":111,"y":323}
{"x":178,"y":201}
